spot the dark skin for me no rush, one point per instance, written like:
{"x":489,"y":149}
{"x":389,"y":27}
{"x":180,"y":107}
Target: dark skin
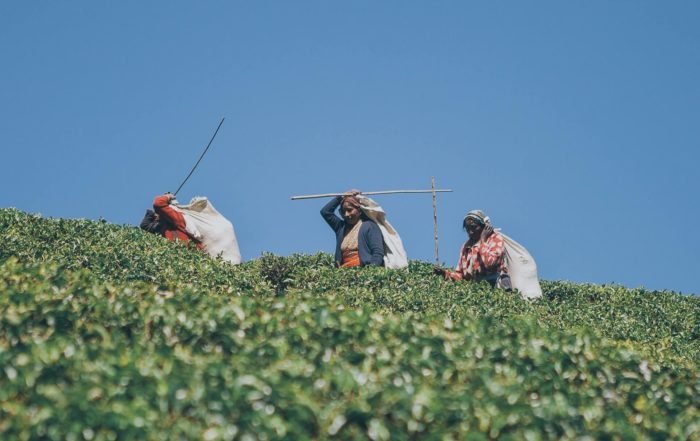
{"x":350,"y":213}
{"x":476,"y":232}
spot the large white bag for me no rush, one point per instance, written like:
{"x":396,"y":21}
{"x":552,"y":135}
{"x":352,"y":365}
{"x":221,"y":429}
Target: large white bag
{"x":212,"y":229}
{"x":522,"y":269}
{"x":394,"y":252}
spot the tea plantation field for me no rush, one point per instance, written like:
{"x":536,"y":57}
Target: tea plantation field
{"x":108,"y":333}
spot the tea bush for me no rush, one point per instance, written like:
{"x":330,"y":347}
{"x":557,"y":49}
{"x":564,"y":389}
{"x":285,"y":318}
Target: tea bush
{"x":109,"y":333}
{"x":276,"y":270}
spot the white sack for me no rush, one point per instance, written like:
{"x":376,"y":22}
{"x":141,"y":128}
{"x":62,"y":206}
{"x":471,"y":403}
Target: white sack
{"x":522,"y":269}
{"x":212,"y":229}
{"x":394,"y":253}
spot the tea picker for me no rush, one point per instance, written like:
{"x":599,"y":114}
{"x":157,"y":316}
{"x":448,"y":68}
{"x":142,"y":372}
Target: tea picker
{"x":490,"y":256}
{"x":386,"y":250}
{"x":197,"y":222}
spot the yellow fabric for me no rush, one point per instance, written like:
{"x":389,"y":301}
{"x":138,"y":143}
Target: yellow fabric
{"x":349,"y":247}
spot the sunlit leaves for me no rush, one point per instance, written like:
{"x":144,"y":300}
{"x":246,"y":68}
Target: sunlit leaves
{"x":109,"y":333}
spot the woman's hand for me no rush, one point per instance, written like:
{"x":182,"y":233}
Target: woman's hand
{"x":438,"y":271}
{"x":486,"y":232}
{"x":353,"y":192}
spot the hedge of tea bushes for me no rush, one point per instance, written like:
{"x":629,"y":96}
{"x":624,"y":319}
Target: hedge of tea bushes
{"x":111,"y":333}
{"x":87,"y":359}
{"x":662,"y":324}
{"x":115,"y":253}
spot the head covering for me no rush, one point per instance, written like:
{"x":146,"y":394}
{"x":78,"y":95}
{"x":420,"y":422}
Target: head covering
{"x":150,"y":222}
{"x":352,"y":200}
{"x":478,"y":216}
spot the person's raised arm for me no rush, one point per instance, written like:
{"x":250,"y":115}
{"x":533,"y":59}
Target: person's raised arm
{"x":161,"y":205}
{"x":328,"y":213}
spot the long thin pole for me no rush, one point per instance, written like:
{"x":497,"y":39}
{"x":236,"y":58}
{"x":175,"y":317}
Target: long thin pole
{"x":368,"y":193}
{"x":200,"y":158}
{"x":437,"y":255}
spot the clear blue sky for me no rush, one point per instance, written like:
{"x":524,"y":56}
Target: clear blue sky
{"x":575,"y":125}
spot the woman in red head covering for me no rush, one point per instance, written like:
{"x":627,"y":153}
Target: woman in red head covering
{"x":167,"y":221}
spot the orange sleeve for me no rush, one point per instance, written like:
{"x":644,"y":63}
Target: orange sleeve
{"x":161,"y":204}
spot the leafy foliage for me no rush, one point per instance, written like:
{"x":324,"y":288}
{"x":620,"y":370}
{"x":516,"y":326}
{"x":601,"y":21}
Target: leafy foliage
{"x":110,"y":333}
{"x":276,"y":270}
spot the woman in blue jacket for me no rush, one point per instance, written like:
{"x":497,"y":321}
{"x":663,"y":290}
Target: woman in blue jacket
{"x":358,"y":239}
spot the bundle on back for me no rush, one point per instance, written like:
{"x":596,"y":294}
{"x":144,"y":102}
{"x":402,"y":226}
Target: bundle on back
{"x":216,"y":232}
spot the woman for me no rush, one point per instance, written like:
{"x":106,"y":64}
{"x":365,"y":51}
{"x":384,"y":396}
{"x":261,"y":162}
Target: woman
{"x":482,"y":256}
{"x":359,"y":240}
{"x":169,"y":222}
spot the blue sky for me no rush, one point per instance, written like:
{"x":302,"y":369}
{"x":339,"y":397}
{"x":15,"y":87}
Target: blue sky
{"x":574,"y":125}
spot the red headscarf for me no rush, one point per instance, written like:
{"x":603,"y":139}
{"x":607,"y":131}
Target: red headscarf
{"x":352,"y":200}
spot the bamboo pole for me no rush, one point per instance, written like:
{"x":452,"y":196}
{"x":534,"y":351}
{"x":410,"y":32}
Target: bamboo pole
{"x":435,"y":228}
{"x":367,"y":193}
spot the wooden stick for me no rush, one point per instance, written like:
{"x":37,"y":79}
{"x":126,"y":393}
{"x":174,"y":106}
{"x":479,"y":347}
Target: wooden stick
{"x":437,"y":255}
{"x":367,"y":193}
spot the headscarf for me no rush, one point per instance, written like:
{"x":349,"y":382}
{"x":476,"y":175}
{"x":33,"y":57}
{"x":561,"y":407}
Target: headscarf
{"x":150,"y":222}
{"x":478,"y":216}
{"x":352,"y":200}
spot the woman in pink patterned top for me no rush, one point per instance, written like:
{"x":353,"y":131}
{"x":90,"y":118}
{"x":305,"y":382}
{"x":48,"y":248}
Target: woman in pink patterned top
{"x":482,"y":257}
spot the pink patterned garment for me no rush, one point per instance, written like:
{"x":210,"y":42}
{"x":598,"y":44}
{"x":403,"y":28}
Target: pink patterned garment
{"x":481,"y":259}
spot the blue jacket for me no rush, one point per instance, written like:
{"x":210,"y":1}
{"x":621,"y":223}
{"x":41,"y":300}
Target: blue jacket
{"x":370,"y":243}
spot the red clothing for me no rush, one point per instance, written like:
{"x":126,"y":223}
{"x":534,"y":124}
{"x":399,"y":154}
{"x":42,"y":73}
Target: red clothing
{"x":481,"y":259}
{"x":350,"y":260}
{"x":172,"y":220}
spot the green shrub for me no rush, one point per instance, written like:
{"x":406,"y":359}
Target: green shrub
{"x":276,"y":270}
{"x":110,"y":333}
